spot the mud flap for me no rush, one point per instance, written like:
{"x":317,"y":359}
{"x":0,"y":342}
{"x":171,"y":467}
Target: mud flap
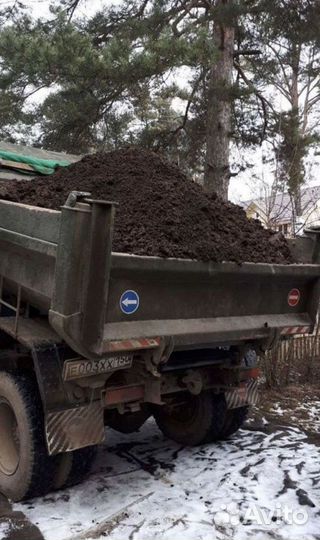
{"x":76,"y":428}
{"x":70,"y":424}
{"x":246,"y":394}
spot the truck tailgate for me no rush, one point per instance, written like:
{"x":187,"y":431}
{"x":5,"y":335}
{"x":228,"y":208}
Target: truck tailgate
{"x":202,"y":303}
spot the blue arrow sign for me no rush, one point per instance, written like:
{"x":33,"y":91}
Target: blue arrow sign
{"x":129,"y":302}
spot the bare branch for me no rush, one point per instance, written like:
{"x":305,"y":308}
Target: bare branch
{"x":187,"y":109}
{"x":264,"y":102}
{"x":285,"y":76}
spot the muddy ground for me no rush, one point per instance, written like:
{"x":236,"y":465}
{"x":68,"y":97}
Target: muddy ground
{"x":297,"y":405}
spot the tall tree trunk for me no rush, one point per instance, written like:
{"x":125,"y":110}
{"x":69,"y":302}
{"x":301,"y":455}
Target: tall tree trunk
{"x":219,"y":123}
{"x":295,"y":166}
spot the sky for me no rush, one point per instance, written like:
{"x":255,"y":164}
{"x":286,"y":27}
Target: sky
{"x":40,"y":8}
{"x":247,"y":185}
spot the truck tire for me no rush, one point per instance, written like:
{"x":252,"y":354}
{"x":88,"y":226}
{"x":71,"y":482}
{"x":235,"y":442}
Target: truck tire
{"x":235,"y":418}
{"x":26,"y":469}
{"x":193,"y":421}
{"x":74,"y":467}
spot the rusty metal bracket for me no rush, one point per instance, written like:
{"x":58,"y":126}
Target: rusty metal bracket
{"x":76,"y":196}
{"x":159,"y":356}
{"x":271,"y":341}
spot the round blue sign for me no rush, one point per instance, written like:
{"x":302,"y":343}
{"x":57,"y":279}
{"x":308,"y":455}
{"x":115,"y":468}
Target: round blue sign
{"x":129,"y":302}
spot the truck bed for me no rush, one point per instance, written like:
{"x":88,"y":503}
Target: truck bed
{"x":99,"y":301}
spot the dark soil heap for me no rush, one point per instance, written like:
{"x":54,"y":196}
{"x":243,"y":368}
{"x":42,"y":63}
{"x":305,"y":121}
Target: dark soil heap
{"x":161,"y":211}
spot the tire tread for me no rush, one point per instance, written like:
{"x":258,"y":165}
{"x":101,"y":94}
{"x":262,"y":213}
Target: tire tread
{"x":42,"y":466}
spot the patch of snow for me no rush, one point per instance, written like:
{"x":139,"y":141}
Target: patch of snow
{"x":144,"y":486}
{"x":277,"y":409}
{"x":4,"y":529}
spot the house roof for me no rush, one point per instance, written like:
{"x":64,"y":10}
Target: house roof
{"x":6,"y":174}
{"x":279,"y":206}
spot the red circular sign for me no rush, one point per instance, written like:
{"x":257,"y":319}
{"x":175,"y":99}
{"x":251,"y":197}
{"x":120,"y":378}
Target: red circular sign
{"x":294,"y":297}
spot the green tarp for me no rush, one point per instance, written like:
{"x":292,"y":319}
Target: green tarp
{"x":41,"y":166}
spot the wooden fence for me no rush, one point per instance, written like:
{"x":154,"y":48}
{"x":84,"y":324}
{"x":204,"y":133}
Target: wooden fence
{"x":294,"y":360}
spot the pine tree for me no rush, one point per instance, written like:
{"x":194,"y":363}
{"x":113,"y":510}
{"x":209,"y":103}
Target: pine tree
{"x":290,"y":66}
{"x":97,"y":67}
{"x":117,"y":77}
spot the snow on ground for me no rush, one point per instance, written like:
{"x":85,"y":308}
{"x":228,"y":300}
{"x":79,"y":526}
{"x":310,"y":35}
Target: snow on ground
{"x":4,"y":530}
{"x":295,"y":405}
{"x":312,"y":415}
{"x":258,"y":485}
{"x":276,"y":409}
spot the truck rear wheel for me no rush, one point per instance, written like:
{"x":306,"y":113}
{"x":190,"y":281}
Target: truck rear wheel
{"x":26,"y":469}
{"x":235,"y":418}
{"x":73,"y":467}
{"x":193,"y":420}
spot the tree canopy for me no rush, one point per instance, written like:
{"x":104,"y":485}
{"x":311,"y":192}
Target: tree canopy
{"x":182,"y":76}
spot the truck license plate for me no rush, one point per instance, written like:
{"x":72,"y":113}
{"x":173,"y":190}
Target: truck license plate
{"x":75,"y":369}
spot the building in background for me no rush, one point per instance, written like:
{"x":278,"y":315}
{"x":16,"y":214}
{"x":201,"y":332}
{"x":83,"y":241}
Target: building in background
{"x":275,"y":211}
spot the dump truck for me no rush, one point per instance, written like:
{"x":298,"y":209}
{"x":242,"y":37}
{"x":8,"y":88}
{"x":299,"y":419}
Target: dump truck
{"x":93,"y":338}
